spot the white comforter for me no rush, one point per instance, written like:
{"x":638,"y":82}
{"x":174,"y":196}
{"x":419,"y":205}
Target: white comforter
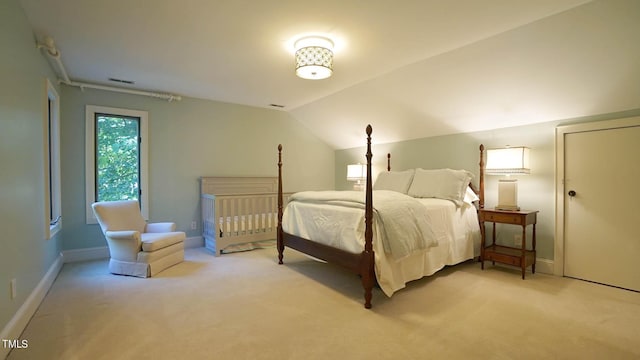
{"x":455,"y":227}
{"x":404,"y":222}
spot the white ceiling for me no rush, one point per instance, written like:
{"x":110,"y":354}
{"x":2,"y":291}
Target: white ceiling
{"x":410,"y":68}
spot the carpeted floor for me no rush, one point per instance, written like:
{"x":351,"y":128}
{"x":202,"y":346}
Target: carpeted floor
{"x":244,"y":306}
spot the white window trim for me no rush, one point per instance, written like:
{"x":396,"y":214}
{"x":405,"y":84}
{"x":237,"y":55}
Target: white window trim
{"x":52,"y":184}
{"x":90,"y":112}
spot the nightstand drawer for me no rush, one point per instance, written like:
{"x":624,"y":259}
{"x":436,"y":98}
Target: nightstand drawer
{"x":504,"y":218}
{"x":503,"y":258}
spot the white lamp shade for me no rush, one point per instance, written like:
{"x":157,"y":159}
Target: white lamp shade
{"x":356,"y":172}
{"x":508,"y":161}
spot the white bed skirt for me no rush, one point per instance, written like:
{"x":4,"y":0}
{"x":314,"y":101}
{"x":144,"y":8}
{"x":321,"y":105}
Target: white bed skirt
{"x":456,"y":228}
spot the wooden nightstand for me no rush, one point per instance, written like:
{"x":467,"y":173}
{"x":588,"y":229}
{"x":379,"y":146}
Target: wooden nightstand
{"x":521,"y":257}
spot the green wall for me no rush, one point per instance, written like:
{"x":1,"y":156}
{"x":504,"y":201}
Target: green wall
{"x":25,"y":254}
{"x":189,"y":139}
{"x":460,"y":151}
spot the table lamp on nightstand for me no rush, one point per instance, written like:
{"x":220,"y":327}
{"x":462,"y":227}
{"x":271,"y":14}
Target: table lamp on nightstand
{"x":512,"y":160}
{"x":357,"y":173}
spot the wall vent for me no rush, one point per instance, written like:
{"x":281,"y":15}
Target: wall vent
{"x":130,"y":82}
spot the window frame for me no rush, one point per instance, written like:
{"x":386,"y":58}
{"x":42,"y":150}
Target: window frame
{"x":90,"y":156}
{"x":52,"y":171}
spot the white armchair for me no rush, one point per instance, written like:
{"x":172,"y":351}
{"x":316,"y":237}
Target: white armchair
{"x":137,"y":248}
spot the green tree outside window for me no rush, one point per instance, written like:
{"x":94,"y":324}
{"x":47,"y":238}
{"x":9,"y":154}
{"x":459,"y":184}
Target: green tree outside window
{"x":117,"y":158}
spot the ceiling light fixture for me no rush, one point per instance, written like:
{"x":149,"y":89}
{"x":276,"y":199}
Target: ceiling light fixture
{"x":314,"y":57}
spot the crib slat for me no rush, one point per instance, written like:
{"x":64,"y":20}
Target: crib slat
{"x":254,"y":211}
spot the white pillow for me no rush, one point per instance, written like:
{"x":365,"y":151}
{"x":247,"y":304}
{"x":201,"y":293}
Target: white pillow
{"x":470,"y":196}
{"x":394,"y":180}
{"x":440,"y":183}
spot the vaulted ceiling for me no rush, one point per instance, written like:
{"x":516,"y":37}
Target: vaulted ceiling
{"x":411,"y":68}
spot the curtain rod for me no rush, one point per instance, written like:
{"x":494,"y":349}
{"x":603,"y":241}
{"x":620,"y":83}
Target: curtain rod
{"x":82,"y":85}
{"x":54,"y":53}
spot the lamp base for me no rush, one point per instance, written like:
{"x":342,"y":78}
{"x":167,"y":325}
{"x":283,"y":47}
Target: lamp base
{"x":508,"y":195}
{"x":507,"y":208}
{"x":359,"y":186}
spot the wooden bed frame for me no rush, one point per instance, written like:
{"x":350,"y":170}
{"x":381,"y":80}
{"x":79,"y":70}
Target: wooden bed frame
{"x":362,"y":263}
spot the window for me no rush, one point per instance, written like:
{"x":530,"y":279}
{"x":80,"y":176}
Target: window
{"x":51,"y":124}
{"x":117,"y":146}
{"x":116,"y":157}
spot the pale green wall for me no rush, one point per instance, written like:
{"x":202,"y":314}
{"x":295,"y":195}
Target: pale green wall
{"x":25,"y":254}
{"x":460,"y":151}
{"x":189,"y":139}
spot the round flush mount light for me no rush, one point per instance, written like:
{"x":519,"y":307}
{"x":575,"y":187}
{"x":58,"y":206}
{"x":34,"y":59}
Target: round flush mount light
{"x":314,"y":57}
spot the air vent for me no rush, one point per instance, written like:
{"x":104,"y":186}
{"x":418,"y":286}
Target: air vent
{"x":130,"y":82}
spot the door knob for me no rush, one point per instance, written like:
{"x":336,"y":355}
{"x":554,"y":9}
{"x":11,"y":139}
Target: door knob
{"x":572,"y":193}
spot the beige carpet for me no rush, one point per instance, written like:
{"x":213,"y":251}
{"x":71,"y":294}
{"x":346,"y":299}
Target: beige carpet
{"x":245,"y":306}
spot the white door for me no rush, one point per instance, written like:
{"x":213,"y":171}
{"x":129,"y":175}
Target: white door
{"x":602,"y":206}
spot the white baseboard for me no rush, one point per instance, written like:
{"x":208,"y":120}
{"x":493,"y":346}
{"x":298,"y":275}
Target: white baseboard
{"x":17,"y":324}
{"x":544,"y":266}
{"x":102,"y":252}
{"x":94,"y":253}
{"x":194,"y":242}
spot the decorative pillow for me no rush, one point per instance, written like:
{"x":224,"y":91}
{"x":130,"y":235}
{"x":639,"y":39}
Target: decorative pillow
{"x":440,"y":183}
{"x":470,"y":196}
{"x":394,"y":180}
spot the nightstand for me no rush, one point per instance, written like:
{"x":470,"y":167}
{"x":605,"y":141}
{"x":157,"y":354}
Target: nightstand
{"x":521,"y":257}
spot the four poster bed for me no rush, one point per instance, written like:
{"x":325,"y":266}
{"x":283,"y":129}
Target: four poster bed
{"x":422,"y":221}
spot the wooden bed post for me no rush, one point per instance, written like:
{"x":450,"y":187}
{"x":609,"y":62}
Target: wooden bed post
{"x":280,"y":242}
{"x":481,"y":195}
{"x":368,"y":274}
{"x":362,"y":263}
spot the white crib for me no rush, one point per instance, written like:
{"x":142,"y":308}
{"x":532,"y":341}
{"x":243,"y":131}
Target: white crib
{"x":238,"y":210}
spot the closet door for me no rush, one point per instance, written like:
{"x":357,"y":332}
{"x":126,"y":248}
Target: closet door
{"x":602,"y":206}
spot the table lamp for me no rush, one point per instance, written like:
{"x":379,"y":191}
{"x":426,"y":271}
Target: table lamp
{"x":511,"y":160}
{"x":357,"y":173}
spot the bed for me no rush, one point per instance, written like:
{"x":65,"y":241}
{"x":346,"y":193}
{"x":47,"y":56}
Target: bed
{"x":345,"y":228}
